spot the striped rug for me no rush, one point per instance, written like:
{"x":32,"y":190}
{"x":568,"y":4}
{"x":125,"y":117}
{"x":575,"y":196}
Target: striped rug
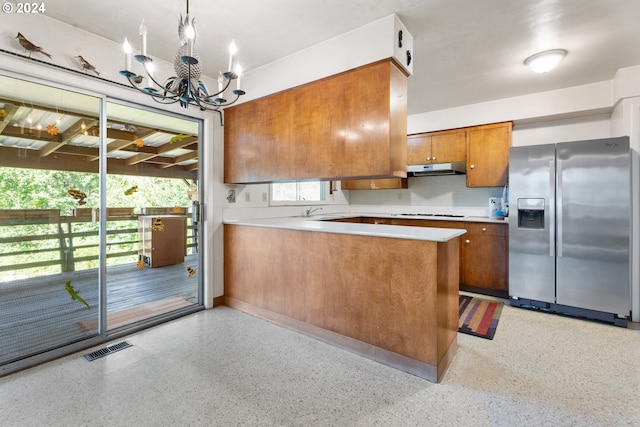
{"x":478,"y":316}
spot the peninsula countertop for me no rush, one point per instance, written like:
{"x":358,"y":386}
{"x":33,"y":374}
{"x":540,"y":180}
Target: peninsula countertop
{"x":323,"y":223}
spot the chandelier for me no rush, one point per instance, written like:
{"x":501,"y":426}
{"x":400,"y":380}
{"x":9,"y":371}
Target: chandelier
{"x":185,"y":87}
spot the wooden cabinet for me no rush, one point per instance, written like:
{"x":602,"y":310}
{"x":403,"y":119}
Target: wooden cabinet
{"x":162,"y":239}
{"x":488,"y":155}
{"x":395,"y":300}
{"x":374,"y":184}
{"x":483,"y":251}
{"x":353,"y":124}
{"x":483,"y":256}
{"x":437,"y":147}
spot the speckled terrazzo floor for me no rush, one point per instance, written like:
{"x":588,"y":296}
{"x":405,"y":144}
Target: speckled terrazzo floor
{"x":222,"y":367}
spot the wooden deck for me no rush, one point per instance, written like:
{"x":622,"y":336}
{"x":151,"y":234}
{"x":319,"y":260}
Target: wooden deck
{"x":38,"y":314}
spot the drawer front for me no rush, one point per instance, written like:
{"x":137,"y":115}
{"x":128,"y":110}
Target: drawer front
{"x":486,"y":229}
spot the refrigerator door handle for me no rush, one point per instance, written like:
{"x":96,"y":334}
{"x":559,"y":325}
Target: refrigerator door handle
{"x":551,"y":220}
{"x":559,"y":207}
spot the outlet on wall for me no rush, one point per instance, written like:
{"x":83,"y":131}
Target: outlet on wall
{"x":247,"y":196}
{"x":264,"y":198}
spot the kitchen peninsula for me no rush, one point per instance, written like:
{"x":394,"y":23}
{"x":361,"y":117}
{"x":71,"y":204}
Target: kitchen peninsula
{"x":386,"y":292}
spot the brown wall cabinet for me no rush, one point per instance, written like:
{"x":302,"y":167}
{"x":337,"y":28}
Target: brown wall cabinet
{"x":485,"y":149}
{"x":374,"y":184}
{"x":353,"y":124}
{"x":488,"y":155}
{"x":437,"y":147}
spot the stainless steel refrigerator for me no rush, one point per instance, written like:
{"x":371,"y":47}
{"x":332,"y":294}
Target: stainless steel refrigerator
{"x":569,"y":228}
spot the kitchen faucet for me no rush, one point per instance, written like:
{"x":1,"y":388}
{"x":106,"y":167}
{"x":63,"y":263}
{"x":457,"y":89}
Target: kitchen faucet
{"x":309,"y":211}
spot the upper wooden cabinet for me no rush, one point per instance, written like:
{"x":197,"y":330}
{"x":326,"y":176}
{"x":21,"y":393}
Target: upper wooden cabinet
{"x":351,"y":125}
{"x":488,"y":155}
{"x":374,"y":184}
{"x":437,"y":147}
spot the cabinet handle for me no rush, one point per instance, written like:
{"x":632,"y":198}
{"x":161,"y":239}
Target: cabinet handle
{"x":467,"y":241}
{"x":471,"y":166}
{"x":484,"y":229}
{"x":434,"y":157}
{"x":428,"y":158}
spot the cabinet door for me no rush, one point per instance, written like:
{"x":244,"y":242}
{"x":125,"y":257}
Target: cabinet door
{"x":418,"y":149}
{"x":488,"y":155}
{"x":261,"y":149}
{"x":449,"y":146}
{"x":484,"y":257}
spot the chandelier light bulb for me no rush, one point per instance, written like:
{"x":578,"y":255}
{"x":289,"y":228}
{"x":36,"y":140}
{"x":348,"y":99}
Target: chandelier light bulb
{"x":238,"y":72}
{"x":233,"y":49}
{"x":190,"y":32}
{"x":151,"y":67}
{"x":127,"y":54}
{"x":220,"y":84}
{"x":546,"y":61}
{"x":143,"y":33}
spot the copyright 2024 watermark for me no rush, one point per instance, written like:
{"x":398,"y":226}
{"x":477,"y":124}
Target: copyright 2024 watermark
{"x":24,"y":8}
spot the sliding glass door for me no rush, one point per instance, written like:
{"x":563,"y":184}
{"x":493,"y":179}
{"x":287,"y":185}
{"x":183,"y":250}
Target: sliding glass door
{"x":99,"y":212}
{"x":152,"y":228}
{"x":49,"y":253}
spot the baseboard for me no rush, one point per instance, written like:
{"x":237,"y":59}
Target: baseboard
{"x":386,"y":357}
{"x":219,"y":301}
{"x":484,"y":291}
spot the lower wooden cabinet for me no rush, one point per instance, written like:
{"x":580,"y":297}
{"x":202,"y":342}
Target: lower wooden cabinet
{"x":483,"y":251}
{"x":483,"y":256}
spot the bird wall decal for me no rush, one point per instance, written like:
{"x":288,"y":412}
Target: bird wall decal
{"x":30,"y":47}
{"x":87,"y":65}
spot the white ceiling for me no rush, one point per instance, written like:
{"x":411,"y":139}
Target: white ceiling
{"x":465,"y":51}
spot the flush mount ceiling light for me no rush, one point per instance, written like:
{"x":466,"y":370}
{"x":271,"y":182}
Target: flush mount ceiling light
{"x":546,"y":61}
{"x":185,"y":87}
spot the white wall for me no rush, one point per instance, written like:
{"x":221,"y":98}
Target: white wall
{"x":361,"y":46}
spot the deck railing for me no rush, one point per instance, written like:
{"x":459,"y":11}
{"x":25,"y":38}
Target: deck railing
{"x":50,"y":232}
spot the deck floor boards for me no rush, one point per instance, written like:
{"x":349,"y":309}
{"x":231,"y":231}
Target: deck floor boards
{"x":38,"y":314}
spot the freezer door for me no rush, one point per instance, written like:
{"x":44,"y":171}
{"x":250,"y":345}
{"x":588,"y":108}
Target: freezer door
{"x":593,"y":197}
{"x":531,"y":222}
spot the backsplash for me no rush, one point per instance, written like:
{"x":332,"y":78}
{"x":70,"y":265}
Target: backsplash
{"x":440,"y":191}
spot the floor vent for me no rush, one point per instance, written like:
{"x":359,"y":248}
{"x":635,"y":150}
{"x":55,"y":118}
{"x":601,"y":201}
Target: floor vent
{"x":106,"y":351}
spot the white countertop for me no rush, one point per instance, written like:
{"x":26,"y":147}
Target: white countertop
{"x":320,"y":223}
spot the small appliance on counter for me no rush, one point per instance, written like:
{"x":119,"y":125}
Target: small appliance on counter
{"x":495,"y":208}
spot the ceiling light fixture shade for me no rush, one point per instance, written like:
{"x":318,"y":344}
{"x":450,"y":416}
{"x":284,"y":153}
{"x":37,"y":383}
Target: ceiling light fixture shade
{"x":546,"y":61}
{"x":185,"y":87}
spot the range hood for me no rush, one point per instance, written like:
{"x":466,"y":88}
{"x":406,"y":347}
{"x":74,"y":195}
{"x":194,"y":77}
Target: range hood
{"x":451,"y":168}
